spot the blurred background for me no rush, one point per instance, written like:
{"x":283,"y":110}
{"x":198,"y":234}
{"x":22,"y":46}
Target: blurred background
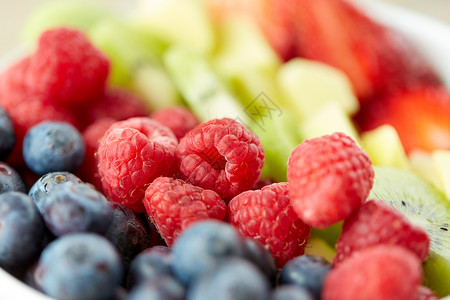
{"x":13,"y":14}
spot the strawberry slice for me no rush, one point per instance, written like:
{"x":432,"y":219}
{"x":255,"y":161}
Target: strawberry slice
{"x":420,"y":115}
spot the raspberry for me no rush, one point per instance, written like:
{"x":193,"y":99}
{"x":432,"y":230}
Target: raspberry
{"x":381,"y":272}
{"x":131,"y":154}
{"x":375,"y":222}
{"x":221,"y":155}
{"x":178,"y":118}
{"x":88,"y":171}
{"x":67,"y":69}
{"x":173,"y":205}
{"x":267,"y":216}
{"x":329,"y":178}
{"x":117,"y":104}
{"x":424,"y":293}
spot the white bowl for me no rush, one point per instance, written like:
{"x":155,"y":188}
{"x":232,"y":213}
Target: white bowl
{"x":431,"y":37}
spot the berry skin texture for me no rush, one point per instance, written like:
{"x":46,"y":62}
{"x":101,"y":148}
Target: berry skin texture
{"x":53,"y":146}
{"x":376,"y":222}
{"x":162,"y":287}
{"x":7,"y":135}
{"x":178,"y":118}
{"x":267,"y":216}
{"x":66,"y":77}
{"x":10,"y":180}
{"x":329,"y":178}
{"x":131,"y":154}
{"x":221,"y":155}
{"x":381,"y":272}
{"x":173,"y":205}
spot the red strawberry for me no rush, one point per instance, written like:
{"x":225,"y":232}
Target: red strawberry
{"x":421,"y":117}
{"x":376,"y":222}
{"x":375,"y":58}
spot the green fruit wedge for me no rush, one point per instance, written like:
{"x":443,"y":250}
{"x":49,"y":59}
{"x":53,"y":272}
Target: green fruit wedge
{"x":425,"y":206}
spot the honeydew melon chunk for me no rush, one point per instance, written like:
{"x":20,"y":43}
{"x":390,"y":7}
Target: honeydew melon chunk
{"x":185,"y":23}
{"x":135,"y":58}
{"x":317,"y":246}
{"x":309,"y":86}
{"x":422,"y":164}
{"x":384,"y":147}
{"x":327,"y":120}
{"x":441,"y":162}
{"x":203,"y":90}
{"x":73,"y":13}
{"x":243,"y":46}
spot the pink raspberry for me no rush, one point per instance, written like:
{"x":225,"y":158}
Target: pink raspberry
{"x":267,"y":216}
{"x":178,"y":118}
{"x":221,"y":155}
{"x":173,"y":205}
{"x":381,"y":272}
{"x":67,"y":69}
{"x":131,"y":154}
{"x":424,"y":293}
{"x":329,"y":178}
{"x":376,"y":222}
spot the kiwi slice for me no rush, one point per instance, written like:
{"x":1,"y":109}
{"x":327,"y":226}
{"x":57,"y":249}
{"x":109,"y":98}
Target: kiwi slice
{"x":425,"y":206}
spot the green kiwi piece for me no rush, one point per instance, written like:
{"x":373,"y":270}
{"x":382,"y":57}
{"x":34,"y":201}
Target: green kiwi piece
{"x":425,"y":206}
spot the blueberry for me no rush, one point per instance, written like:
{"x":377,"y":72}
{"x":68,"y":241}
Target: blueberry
{"x":234,"y":278}
{"x":10,"y":180}
{"x":150,"y":264}
{"x":53,"y":146}
{"x":291,"y":292}
{"x":204,"y":245}
{"x":7,"y":135}
{"x":76,"y":207}
{"x":262,"y":258}
{"x":45,"y":185}
{"x":127,"y":232}
{"x":306,"y":271}
{"x":80,"y":266}
{"x":160,"y":288}
{"x":21,"y":230}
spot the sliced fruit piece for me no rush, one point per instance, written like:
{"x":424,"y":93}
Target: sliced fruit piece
{"x":441,"y":162}
{"x":420,"y":116}
{"x":384,"y":147}
{"x":74,"y":13}
{"x":375,"y":58}
{"x":177,"y":22}
{"x":426,"y":207}
{"x":422,"y":164}
{"x":317,"y":246}
{"x":307,"y":86}
{"x":330,"y":118}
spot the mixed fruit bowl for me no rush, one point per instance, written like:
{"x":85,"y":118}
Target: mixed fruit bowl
{"x":228,"y":149}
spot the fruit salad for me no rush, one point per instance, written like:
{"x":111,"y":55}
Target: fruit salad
{"x":223,"y":149}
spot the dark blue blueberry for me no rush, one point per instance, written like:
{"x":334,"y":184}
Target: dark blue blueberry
{"x":204,"y":245}
{"x":81,"y":266}
{"x":150,"y":264}
{"x":127,"y":232}
{"x":21,"y":230}
{"x":291,"y":292}
{"x":10,"y":180}
{"x":234,"y":278}
{"x":45,"y":185}
{"x":76,"y":207}
{"x":7,"y":135}
{"x":306,"y":271}
{"x":159,"y":288}
{"x":53,"y":146}
{"x":262,"y":258}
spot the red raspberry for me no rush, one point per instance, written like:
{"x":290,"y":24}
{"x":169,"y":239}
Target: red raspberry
{"x":376,"y":222}
{"x":424,"y":293}
{"x":88,"y":171}
{"x":67,"y":69}
{"x":221,"y":155}
{"x":178,"y":118}
{"x":118,"y":104}
{"x":267,"y":216}
{"x":329,"y":178}
{"x":381,"y":272}
{"x":173,"y":205}
{"x":131,"y":154}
